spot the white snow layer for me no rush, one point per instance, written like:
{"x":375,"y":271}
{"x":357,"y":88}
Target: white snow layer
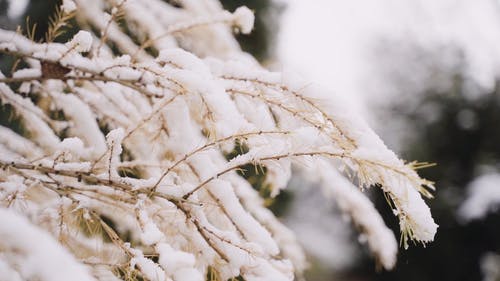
{"x":35,"y":253}
{"x":173,"y":116}
{"x":82,"y":41}
{"x":352,"y":202}
{"x":244,"y":19}
{"x":68,"y":6}
{"x":483,"y":197}
{"x":16,"y":8}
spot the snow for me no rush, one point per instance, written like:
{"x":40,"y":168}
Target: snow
{"x":172,"y":260}
{"x":124,"y":73}
{"x":323,"y":233}
{"x":73,"y":166}
{"x":188,"y":274}
{"x":16,"y":8}
{"x":9,"y":273}
{"x":305,"y":137}
{"x":483,"y":196}
{"x":35,"y":253}
{"x":27,"y":73}
{"x":73,"y":145}
{"x":278,"y":174}
{"x":222,"y":190}
{"x":244,"y":19}
{"x":490,"y":269}
{"x":159,"y":113}
{"x":85,"y":126}
{"x":68,"y":6}
{"x":82,"y":41}
{"x":379,"y":237}
{"x":25,"y":87}
{"x":14,"y":183}
{"x":114,"y":140}
{"x":150,"y":234}
{"x":41,"y":132}
{"x":19,"y":144}
{"x":380,"y":165}
{"x":184,"y":137}
{"x":362,"y":59}
{"x":150,"y":269}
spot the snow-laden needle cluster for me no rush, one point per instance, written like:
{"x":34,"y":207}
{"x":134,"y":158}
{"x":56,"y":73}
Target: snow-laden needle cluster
{"x":113,"y":159}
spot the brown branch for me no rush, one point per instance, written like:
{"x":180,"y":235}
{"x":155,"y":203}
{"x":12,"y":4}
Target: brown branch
{"x":298,"y":96}
{"x":200,"y":230}
{"x":215,"y":142}
{"x":293,"y":112}
{"x":299,"y":154}
{"x":117,"y":12}
{"x":150,"y":116}
{"x":81,"y":175}
{"x":123,"y":82}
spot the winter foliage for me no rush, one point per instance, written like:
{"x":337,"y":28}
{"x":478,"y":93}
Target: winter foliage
{"x":114,"y":159}
{"x":484,"y":197}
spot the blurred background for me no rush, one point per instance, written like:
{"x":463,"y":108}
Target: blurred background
{"x":424,"y":74}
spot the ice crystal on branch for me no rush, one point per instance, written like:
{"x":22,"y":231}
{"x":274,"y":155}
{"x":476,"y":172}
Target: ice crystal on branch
{"x":121,"y":152}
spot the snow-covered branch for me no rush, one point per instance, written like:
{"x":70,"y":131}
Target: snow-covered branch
{"x":125,"y":129}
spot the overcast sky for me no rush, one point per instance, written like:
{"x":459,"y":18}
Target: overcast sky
{"x":349,"y":45}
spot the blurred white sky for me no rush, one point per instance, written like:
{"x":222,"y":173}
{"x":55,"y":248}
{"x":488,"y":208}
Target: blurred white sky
{"x":356,"y":47}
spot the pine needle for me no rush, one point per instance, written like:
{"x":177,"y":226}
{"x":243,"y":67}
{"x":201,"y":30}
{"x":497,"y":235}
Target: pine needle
{"x":57,"y":24}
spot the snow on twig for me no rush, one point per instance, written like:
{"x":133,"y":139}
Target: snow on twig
{"x":119,"y":138}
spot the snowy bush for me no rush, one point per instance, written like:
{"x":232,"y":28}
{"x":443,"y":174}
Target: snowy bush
{"x":114,"y":158}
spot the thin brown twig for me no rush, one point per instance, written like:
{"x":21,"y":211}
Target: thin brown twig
{"x":299,"y":154}
{"x":201,"y":148}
